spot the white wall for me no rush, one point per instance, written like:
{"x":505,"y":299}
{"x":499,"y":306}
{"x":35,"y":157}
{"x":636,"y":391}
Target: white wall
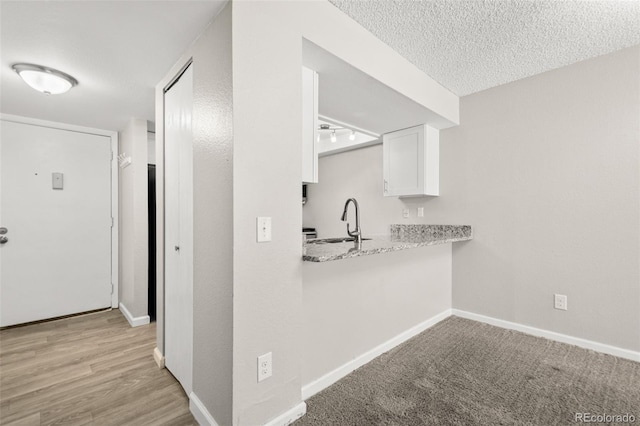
{"x":260,"y":177}
{"x":213,"y":220}
{"x":350,"y":306}
{"x":267,"y":50}
{"x":267,"y":290}
{"x":546,"y":170}
{"x":133,"y":211}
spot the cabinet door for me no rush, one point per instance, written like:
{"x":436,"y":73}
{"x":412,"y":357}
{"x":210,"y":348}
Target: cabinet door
{"x":309,"y":126}
{"x":410,"y":162}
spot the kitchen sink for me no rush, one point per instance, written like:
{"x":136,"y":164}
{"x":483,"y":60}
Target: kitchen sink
{"x":334,"y":240}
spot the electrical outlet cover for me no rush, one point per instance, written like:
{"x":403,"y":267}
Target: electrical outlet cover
{"x":264,"y":366}
{"x":560,"y":301}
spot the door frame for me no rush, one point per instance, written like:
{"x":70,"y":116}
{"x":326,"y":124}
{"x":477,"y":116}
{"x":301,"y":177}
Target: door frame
{"x":114,"y":183}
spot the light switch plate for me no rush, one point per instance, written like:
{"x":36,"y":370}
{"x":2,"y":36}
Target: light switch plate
{"x":263,"y":229}
{"x":57,"y":180}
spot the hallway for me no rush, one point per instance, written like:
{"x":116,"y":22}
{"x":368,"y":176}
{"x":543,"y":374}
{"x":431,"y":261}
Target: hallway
{"x":87,"y":370}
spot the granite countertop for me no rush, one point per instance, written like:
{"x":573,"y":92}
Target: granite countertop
{"x":402,"y":237}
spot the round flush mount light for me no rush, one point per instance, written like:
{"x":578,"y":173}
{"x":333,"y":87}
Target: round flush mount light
{"x":45,"y":79}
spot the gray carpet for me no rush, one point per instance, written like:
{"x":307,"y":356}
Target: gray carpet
{"x":462,"y":372}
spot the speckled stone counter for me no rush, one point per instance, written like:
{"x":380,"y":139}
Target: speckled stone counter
{"x":402,"y":237}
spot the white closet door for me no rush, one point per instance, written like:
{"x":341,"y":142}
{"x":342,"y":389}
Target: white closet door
{"x":178,"y":181}
{"x":57,"y":258}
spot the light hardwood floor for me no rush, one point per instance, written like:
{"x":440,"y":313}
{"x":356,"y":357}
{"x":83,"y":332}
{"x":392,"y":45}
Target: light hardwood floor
{"x":88,"y":370}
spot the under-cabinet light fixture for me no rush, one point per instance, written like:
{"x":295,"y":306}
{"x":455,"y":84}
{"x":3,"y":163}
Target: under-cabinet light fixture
{"x":45,"y":79}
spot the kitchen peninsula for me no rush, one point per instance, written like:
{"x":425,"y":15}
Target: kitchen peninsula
{"x":402,"y":237}
{"x":377,"y":296}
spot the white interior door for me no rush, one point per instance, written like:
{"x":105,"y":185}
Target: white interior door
{"x":178,"y":181}
{"x":57,"y":258}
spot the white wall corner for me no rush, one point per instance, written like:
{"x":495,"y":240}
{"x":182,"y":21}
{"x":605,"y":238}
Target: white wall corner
{"x":200,"y":412}
{"x":134,"y":321}
{"x":551,"y":335}
{"x":331,"y":377}
{"x":289,"y":416}
{"x":158,"y":357}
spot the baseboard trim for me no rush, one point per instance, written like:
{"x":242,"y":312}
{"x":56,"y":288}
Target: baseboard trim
{"x":200,"y":412}
{"x":551,"y":335}
{"x":289,"y":416}
{"x":158,"y":357}
{"x":134,"y":321}
{"x":330,"y":378}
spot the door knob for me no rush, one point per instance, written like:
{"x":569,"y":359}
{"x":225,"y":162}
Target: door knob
{"x":3,"y":230}
{"x":3,"y":239}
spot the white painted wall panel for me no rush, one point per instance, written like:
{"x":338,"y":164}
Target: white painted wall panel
{"x":547,"y":171}
{"x":134,"y":226}
{"x":350,"y":306}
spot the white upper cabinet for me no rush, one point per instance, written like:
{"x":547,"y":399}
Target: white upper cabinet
{"x":309,"y":126}
{"x":411,"y":162}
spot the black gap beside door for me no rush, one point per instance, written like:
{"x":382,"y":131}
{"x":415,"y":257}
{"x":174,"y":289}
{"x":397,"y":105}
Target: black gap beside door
{"x":151,"y":171}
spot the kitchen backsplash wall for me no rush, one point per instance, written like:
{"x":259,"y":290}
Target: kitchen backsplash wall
{"x":358,"y":174}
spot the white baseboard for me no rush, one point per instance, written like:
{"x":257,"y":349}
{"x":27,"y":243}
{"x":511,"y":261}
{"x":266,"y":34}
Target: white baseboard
{"x":289,"y":416}
{"x":204,"y":418}
{"x":158,"y":357}
{"x":133,"y":321}
{"x":551,"y":335}
{"x":200,"y":412}
{"x":330,"y":378}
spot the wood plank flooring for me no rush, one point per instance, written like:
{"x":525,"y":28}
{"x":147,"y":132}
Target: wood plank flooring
{"x":87,"y":370}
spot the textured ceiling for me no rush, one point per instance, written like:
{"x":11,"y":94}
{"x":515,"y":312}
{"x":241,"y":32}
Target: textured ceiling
{"x":471,"y":45}
{"x":119,"y":50}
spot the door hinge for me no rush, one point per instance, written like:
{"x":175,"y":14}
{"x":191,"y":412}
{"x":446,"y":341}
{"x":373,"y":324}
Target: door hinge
{"x":113,"y":221}
{"x":111,"y":155}
{"x":111,"y":288}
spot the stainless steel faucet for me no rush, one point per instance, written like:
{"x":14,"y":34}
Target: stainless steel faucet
{"x":357,"y":234}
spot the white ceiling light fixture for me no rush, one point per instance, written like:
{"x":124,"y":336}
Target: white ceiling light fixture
{"x":44,"y":79}
{"x":342,"y":133}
